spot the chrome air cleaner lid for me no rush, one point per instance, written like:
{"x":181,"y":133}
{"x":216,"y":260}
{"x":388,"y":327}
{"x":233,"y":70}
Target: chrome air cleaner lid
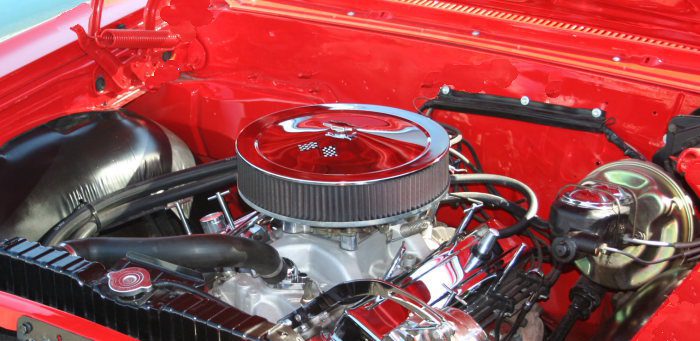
{"x":342,"y":165}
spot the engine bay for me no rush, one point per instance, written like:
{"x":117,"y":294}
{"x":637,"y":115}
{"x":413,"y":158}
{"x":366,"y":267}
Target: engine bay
{"x":319,"y":191}
{"x":343,"y":241}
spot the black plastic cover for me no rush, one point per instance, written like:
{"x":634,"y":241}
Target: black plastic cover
{"x":683,"y":133}
{"x":49,"y":171}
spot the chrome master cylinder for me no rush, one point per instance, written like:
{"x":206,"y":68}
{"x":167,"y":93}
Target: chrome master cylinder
{"x":630,"y":200}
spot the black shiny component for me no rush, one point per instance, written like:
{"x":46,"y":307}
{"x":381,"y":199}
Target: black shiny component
{"x":48,"y":172}
{"x":198,"y":251}
{"x":566,"y":249}
{"x":77,"y":286}
{"x":585,"y":298}
{"x":683,"y":132}
{"x":485,"y":305}
{"x":563,"y":249}
{"x":542,"y":113}
{"x":139,"y":199}
{"x":566,"y":219}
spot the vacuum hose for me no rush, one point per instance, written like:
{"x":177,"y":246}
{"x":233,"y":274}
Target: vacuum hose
{"x":201,"y":252}
{"x":494,"y":201}
{"x":468,"y":179}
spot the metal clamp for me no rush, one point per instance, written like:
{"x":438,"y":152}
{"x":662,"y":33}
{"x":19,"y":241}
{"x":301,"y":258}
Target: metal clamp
{"x":181,"y":213}
{"x":219,"y":196}
{"x":469,"y":214}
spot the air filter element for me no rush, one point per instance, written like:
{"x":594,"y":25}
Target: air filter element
{"x":342,"y":165}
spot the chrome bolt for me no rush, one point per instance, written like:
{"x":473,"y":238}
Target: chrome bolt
{"x":524,"y":100}
{"x":351,"y":13}
{"x":476,"y":33}
{"x":616,"y":59}
{"x":445,"y":89}
{"x":596,"y":112}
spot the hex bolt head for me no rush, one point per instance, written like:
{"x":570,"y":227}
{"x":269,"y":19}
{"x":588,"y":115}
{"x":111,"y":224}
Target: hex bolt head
{"x":445,"y":89}
{"x":524,"y":100}
{"x":596,"y":112}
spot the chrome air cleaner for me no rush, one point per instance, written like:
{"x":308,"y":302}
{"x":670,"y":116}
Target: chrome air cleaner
{"x":342,"y":165}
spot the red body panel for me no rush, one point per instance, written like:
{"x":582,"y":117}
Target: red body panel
{"x":269,"y":56}
{"x":678,"y":317}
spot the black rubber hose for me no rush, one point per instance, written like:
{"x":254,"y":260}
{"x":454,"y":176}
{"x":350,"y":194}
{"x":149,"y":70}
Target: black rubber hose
{"x":466,"y":179}
{"x":511,"y":208}
{"x":153,"y":203}
{"x":186,"y":288}
{"x":84,"y":214}
{"x":494,"y":201}
{"x":200,"y":251}
{"x":169,"y":180}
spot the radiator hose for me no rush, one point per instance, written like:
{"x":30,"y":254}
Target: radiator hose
{"x":200,"y":252}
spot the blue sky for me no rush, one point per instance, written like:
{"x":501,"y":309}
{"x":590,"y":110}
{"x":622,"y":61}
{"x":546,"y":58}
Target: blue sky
{"x":18,"y":15}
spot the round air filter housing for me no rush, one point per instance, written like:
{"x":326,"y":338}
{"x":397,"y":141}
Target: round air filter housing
{"x":342,"y":165}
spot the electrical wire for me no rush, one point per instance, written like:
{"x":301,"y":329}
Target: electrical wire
{"x":457,"y":141}
{"x":538,"y":249}
{"x":475,"y":156}
{"x":539,"y":294}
